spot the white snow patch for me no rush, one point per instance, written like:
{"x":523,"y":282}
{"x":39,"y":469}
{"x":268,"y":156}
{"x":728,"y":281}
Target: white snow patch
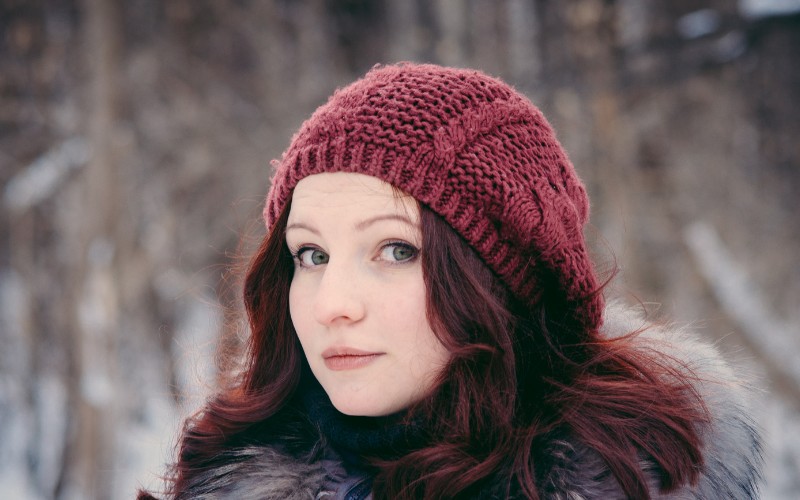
{"x":782,"y":445}
{"x":698,"y":23}
{"x":197,"y":334}
{"x":42,"y":177}
{"x":98,"y":314}
{"x":16,"y":432}
{"x":145,"y":446}
{"x":51,"y":412}
{"x":778,"y":341}
{"x":754,"y":9}
{"x":16,"y":422}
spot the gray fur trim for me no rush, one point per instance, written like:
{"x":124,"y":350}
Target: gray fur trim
{"x":732,"y":444}
{"x":260,"y":473}
{"x":732,"y":447}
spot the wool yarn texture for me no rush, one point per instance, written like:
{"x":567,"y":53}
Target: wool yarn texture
{"x":476,"y":152}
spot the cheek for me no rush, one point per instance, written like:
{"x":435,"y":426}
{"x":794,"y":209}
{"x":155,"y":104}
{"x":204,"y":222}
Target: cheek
{"x":401,"y":306}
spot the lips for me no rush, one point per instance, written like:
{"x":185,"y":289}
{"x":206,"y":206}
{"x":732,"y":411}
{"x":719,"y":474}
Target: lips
{"x":347,"y":358}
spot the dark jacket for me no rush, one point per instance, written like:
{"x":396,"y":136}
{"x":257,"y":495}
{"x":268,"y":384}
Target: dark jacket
{"x":732,"y":448}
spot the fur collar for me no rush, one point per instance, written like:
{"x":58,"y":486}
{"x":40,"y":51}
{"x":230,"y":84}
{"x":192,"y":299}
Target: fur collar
{"x":732,"y":445}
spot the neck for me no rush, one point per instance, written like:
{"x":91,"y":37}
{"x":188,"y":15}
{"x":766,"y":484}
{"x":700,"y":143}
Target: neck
{"x":358,"y":438}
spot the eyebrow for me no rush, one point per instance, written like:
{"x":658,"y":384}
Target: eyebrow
{"x":361,"y":225}
{"x":300,"y":225}
{"x":397,"y":217}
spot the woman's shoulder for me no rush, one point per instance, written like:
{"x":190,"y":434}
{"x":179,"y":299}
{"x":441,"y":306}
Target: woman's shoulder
{"x":274,"y":471}
{"x":263,"y":471}
{"x":732,"y":451}
{"x":279,"y":459}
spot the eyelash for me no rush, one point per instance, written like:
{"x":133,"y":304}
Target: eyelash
{"x":297,"y":255}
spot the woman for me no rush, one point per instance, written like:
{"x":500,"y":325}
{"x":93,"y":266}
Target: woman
{"x":426,"y":323}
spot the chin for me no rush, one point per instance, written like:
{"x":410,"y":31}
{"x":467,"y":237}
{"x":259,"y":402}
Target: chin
{"x":350,"y":406}
{"x":356,"y":410}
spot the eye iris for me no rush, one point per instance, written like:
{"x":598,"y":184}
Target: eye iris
{"x":402,"y":253}
{"x":318,"y":257}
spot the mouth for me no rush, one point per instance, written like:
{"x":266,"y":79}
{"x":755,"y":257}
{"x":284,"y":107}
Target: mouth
{"x":346,"y":358}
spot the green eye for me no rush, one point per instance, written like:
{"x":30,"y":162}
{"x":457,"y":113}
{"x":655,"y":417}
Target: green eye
{"x":402,"y":253}
{"x":310,"y":257}
{"x":319,"y":257}
{"x":398,"y":252}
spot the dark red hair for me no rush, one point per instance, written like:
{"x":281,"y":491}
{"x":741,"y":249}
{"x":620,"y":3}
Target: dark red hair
{"x":518,"y":374}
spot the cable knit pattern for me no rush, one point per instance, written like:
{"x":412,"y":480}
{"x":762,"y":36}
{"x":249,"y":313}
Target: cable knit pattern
{"x":476,"y":152}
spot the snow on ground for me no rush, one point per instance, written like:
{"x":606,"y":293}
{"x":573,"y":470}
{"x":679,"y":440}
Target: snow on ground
{"x":781,"y":422}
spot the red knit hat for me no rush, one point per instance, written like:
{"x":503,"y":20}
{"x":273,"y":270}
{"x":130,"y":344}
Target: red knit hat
{"x":476,"y":152}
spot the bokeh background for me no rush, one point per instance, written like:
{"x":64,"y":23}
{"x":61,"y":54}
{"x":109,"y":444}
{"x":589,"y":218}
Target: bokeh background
{"x":135,"y":141}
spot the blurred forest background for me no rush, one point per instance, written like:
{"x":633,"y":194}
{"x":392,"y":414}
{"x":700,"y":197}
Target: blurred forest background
{"x":135,"y":141}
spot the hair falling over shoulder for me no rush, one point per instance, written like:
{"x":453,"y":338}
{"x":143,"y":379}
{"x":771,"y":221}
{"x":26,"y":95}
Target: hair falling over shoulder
{"x":518,"y":373}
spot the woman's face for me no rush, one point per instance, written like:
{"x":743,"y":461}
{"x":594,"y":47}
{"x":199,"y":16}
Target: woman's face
{"x":357,"y":298}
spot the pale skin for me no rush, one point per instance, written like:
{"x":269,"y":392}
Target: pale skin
{"x":357,"y":298}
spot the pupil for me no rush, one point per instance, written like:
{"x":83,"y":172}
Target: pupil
{"x":318,"y":257}
{"x":401,"y":253}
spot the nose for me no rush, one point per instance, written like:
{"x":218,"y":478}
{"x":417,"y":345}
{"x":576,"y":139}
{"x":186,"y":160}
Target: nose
{"x":339,"y":299}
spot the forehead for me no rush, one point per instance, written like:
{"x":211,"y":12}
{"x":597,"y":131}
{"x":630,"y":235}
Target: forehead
{"x":344,"y":193}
